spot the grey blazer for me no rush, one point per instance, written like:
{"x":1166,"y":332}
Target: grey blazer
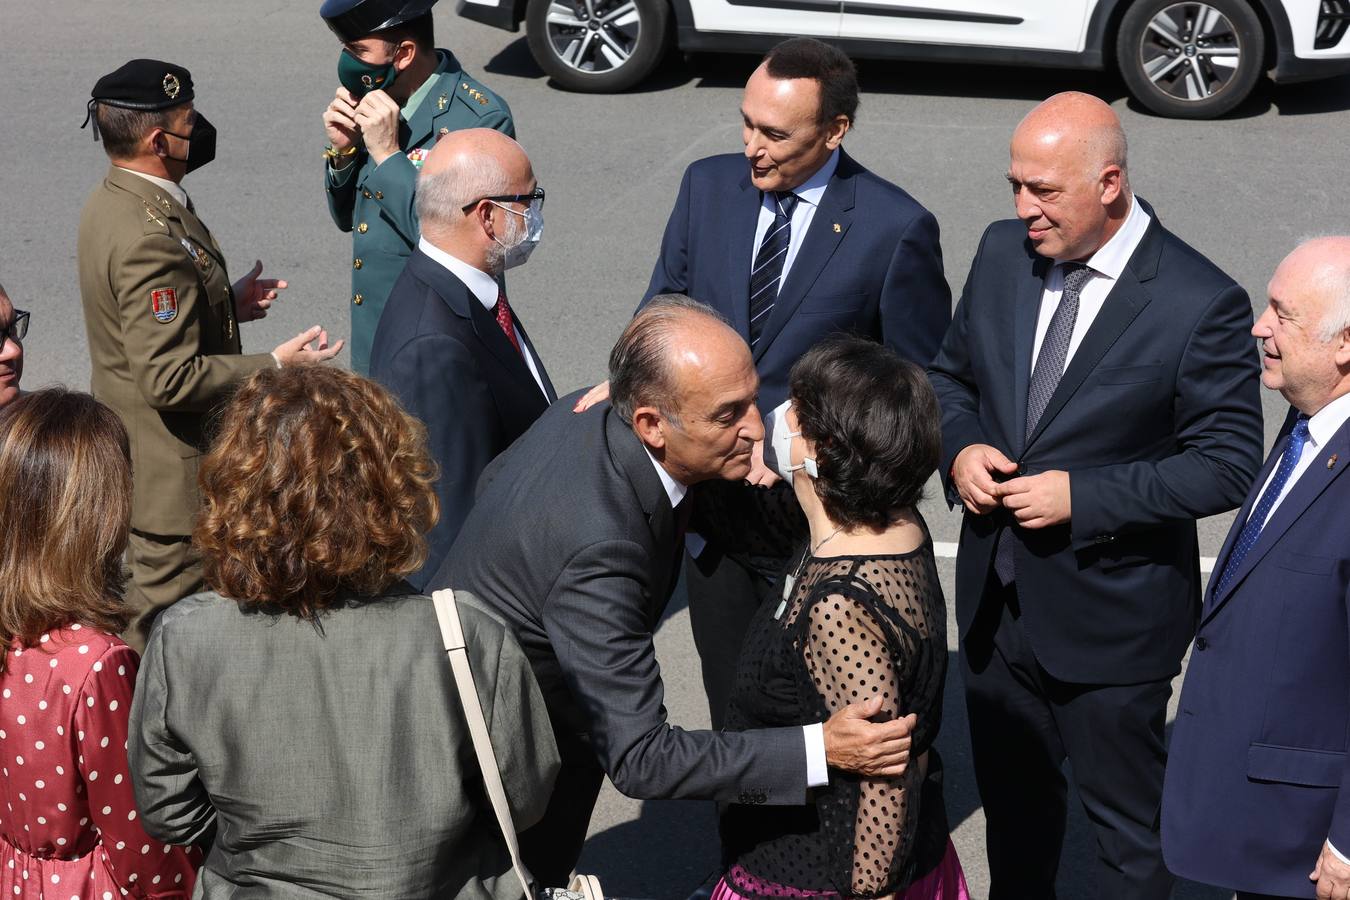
{"x":334,"y":761}
{"x":572,"y":541}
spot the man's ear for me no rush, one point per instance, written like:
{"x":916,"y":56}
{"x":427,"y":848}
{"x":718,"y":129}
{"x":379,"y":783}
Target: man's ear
{"x":836,"y":130}
{"x":1112,"y":179}
{"x":650,"y":425}
{"x":404,"y":54}
{"x":1342,"y":345}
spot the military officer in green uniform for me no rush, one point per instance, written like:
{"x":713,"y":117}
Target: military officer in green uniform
{"x":398,"y":95}
{"x":163,"y":317}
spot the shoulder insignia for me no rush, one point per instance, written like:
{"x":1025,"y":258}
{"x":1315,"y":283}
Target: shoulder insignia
{"x":164,"y":304}
{"x":151,"y":216}
{"x":475,"y":93}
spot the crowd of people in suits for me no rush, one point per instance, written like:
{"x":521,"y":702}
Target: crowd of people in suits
{"x":771,"y":413}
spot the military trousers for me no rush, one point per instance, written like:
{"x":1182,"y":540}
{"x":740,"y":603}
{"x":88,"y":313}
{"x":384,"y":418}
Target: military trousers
{"x":164,"y":570}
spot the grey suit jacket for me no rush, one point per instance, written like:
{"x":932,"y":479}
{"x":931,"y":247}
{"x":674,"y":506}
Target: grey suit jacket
{"x":572,"y":541}
{"x":334,"y":761}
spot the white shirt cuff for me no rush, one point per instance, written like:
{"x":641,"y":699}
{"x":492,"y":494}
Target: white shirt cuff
{"x":1339,"y":854}
{"x":817,"y":772}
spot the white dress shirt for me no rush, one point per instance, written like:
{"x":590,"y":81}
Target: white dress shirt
{"x":172,"y":188}
{"x":1105,"y":265}
{"x":485,"y":288}
{"x":1321,"y":427}
{"x":817,"y":772}
{"x":808,"y":194}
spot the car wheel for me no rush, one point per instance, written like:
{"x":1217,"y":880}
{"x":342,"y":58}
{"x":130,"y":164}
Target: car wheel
{"x":1190,"y":60}
{"x":597,"y":46}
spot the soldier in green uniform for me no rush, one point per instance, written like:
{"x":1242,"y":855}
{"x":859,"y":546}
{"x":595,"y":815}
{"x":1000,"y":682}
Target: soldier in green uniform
{"x":399,"y":94}
{"x":162,"y":316}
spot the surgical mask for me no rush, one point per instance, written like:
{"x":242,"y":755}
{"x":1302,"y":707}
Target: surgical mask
{"x":201,"y":144}
{"x":516,"y":253}
{"x":362,"y":77}
{"x":778,"y":450}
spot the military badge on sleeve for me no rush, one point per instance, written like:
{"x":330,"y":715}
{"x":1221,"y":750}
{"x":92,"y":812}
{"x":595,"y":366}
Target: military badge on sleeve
{"x":164,"y":304}
{"x":418,"y":156}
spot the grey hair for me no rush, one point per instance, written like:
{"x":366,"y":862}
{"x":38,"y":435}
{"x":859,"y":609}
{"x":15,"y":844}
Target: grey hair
{"x":639,"y":365}
{"x":469,"y":176}
{"x":1335,"y":285}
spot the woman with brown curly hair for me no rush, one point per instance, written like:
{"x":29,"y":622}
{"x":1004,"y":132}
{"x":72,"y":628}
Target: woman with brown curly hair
{"x":68,"y":823}
{"x":301,"y":717}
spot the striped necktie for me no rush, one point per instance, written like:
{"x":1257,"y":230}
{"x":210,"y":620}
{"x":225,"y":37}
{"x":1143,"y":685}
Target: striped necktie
{"x":766,"y":276}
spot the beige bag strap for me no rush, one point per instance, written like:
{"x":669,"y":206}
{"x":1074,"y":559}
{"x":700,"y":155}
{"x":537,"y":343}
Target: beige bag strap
{"x":452,"y":634}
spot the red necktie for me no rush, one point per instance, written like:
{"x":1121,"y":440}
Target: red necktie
{"x":506,"y":320}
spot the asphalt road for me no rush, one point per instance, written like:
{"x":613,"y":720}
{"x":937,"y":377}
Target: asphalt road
{"x":1243,"y":191}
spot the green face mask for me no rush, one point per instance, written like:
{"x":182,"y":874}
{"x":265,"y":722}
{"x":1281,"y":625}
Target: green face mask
{"x":362,"y":77}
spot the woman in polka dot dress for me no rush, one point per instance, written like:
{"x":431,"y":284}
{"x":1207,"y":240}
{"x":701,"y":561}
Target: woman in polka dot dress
{"x":69,"y":828}
{"x":861,"y":615}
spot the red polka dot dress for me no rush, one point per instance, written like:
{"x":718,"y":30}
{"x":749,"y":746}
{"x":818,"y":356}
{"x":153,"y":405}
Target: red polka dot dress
{"x":69,"y":829}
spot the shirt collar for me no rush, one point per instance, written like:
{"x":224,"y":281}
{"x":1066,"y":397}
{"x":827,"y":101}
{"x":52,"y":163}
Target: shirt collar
{"x":415,"y":100}
{"x":1329,"y":419}
{"x":1111,"y":258}
{"x":480,"y":283}
{"x":173,"y":189}
{"x":814,"y":187}
{"x":674,"y":490}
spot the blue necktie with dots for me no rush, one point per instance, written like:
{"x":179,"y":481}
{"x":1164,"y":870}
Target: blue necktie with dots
{"x":1293,"y":449}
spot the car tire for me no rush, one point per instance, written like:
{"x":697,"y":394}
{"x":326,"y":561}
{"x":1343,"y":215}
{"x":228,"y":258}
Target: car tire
{"x":1190,"y":60}
{"x":597,"y":46}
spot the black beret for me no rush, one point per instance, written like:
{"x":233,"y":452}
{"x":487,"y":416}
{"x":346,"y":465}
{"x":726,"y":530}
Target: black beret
{"x":352,"y":20}
{"x":145,"y":84}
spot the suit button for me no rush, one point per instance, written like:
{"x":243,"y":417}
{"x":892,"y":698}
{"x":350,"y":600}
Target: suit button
{"x":362,"y":227}
{"x":379,"y":195}
{"x":1201,"y":644}
{"x":358,"y":299}
{"x":1021,"y":470}
{"x":366,"y":194}
{"x":356,"y":263}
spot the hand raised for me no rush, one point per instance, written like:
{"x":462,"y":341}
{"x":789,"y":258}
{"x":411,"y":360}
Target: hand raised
{"x":973,"y":474}
{"x":339,"y":121}
{"x":597,"y":394}
{"x":877,"y":749}
{"x":309,"y":346}
{"x":760,"y":474}
{"x":253,"y":295}
{"x":378,"y":116}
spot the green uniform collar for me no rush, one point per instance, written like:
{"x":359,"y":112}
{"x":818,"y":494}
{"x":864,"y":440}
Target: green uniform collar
{"x":419,"y":96}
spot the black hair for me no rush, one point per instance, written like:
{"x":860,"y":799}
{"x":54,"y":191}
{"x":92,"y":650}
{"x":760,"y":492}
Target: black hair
{"x":874,"y":420}
{"x":828,"y":65}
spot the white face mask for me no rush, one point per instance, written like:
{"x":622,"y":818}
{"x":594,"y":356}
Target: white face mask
{"x":516,"y":253}
{"x":778,"y":449}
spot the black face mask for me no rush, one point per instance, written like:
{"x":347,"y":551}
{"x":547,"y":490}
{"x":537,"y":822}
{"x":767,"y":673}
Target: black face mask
{"x":201,"y":144}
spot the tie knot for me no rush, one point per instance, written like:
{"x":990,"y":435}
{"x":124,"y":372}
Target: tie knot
{"x":1075,"y":276}
{"x":787,"y":202}
{"x":501,"y":301}
{"x":1300,"y":432}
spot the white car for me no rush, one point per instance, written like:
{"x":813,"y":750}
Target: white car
{"x":1190,"y":60}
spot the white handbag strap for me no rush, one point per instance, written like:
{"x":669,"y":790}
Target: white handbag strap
{"x":452,"y":634}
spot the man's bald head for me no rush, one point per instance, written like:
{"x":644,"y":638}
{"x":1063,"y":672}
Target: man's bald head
{"x":1067,"y":168}
{"x":1079,"y":125}
{"x":686,"y":383}
{"x":462,"y":170}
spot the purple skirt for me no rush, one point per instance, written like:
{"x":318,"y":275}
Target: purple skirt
{"x":946,"y":882}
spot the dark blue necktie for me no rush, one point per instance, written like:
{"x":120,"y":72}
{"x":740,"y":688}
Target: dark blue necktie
{"x":766,"y":276}
{"x":1293,"y":449}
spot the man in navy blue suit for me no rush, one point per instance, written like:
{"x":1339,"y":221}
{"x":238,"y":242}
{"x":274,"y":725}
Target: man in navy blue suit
{"x":1257,"y":795}
{"x":448,"y":343}
{"x":790,"y":241}
{"x":1099,"y":394}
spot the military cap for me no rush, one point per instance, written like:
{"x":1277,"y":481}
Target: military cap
{"x":352,"y":20}
{"x":147,"y":84}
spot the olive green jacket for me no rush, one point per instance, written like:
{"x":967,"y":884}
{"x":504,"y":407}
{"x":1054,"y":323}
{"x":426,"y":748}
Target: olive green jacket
{"x":163,"y":340}
{"x":376,"y":202}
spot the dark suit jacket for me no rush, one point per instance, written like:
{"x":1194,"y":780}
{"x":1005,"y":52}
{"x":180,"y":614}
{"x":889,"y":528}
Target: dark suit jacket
{"x":870,"y":264}
{"x":573,"y":542}
{"x":448,"y":361}
{"x":1257,"y":774}
{"x":1157,"y":420}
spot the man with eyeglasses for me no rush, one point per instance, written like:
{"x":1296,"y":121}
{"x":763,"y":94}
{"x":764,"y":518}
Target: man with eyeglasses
{"x":449,"y":344}
{"x":13,"y":329}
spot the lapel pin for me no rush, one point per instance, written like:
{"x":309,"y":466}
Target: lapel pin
{"x":837,"y":229}
{"x":1331,"y":461}
{"x":441,"y":102}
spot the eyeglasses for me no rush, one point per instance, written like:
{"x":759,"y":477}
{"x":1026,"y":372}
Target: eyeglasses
{"x":16,"y":330}
{"x":536,"y":194}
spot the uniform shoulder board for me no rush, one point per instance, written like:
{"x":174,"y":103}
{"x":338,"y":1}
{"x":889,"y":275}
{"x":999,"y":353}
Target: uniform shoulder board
{"x":476,"y":96}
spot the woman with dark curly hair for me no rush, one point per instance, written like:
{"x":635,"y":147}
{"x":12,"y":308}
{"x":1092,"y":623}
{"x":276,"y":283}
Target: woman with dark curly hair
{"x":861,"y":615}
{"x":301,"y":718}
{"x":68,"y":822}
